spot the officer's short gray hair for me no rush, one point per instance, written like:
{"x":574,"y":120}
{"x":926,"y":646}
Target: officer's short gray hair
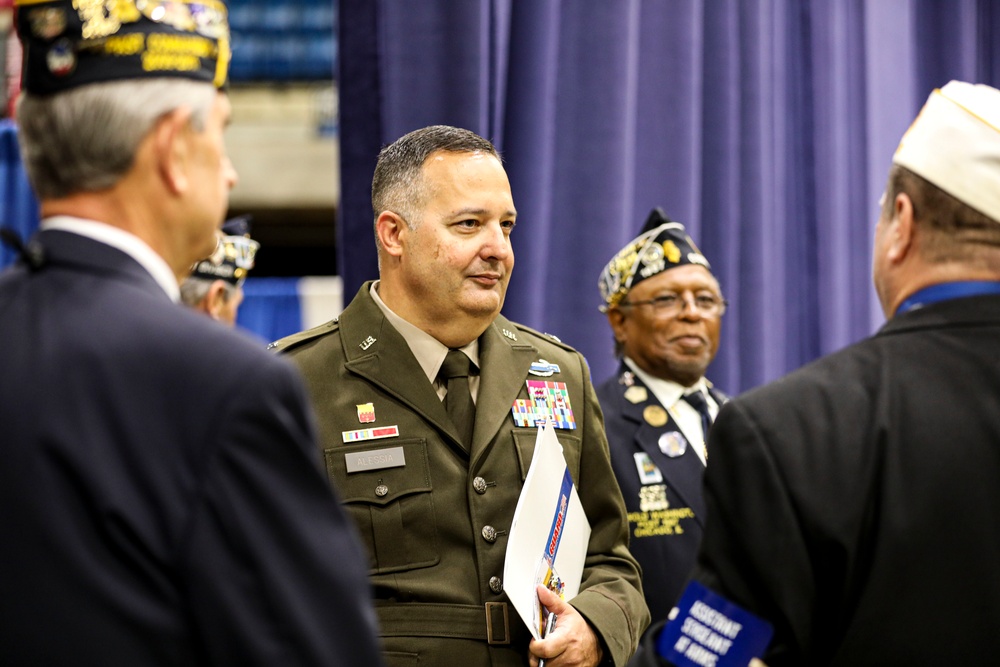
{"x":85,"y":139}
{"x":397,"y":185}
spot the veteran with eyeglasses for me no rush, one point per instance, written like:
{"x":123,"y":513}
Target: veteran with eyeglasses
{"x":665,"y":309}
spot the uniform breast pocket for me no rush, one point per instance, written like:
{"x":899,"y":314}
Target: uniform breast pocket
{"x":524,"y":445}
{"x":386,"y":488}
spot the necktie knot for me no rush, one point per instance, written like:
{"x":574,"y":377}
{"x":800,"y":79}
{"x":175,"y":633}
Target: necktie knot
{"x":697,"y":401}
{"x":456,"y":365}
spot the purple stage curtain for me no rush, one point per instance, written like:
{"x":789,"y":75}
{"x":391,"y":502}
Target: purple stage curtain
{"x":767,"y":127}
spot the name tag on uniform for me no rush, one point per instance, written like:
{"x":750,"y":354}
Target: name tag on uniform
{"x":375,"y":459}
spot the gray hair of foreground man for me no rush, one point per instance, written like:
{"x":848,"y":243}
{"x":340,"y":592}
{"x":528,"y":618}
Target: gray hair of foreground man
{"x":85,"y":139}
{"x":397,"y":185}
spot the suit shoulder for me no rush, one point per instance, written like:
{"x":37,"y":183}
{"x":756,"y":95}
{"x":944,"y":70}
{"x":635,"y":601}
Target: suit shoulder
{"x":852,"y":373}
{"x":297,"y":340}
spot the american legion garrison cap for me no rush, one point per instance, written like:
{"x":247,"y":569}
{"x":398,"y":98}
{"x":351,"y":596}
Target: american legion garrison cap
{"x":662,"y":245}
{"x":70,"y":43}
{"x":234,"y":255}
{"x":955,"y":144}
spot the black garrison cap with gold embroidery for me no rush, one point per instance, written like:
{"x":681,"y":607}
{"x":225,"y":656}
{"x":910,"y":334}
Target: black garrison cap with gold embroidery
{"x":70,"y":43}
{"x":662,"y":245}
{"x":234,"y":255}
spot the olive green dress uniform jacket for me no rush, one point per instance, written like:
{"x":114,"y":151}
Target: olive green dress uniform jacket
{"x":436,"y":528}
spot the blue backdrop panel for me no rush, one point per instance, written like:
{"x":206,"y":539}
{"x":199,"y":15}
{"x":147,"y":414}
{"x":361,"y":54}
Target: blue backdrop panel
{"x":271,"y":307}
{"x":18,"y":206}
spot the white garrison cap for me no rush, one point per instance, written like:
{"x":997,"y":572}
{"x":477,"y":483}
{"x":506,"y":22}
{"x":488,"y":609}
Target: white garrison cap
{"x":955,"y":144}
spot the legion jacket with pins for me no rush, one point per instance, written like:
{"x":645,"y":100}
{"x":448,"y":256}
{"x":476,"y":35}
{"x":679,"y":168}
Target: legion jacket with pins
{"x":436,"y":528}
{"x":162,"y":502}
{"x":665,"y":507}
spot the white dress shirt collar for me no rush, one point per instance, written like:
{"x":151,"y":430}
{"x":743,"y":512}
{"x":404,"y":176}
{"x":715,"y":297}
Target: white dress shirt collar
{"x":128,"y":243}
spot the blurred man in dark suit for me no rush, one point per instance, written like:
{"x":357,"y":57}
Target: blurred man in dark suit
{"x":162,"y":499}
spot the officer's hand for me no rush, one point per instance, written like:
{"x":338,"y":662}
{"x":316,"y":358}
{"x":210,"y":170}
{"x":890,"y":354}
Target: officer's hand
{"x":572,"y":642}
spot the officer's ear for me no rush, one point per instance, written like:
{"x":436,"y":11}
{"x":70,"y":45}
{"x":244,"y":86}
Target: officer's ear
{"x":391,"y":230}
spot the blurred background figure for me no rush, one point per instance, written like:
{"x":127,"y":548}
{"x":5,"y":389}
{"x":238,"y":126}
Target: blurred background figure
{"x":215,"y":286}
{"x":665,"y":309}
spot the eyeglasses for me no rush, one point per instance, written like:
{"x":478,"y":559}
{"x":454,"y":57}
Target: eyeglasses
{"x":670,"y":303}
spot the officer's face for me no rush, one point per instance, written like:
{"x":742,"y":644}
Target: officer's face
{"x":457,"y":258}
{"x":674,"y":344}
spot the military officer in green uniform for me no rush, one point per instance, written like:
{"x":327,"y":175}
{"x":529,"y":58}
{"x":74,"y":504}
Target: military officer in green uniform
{"x":428,"y":399}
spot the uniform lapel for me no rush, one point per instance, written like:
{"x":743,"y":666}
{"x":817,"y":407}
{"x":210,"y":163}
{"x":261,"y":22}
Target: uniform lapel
{"x":504,"y":361}
{"x":682,"y":473}
{"x":377,"y":352}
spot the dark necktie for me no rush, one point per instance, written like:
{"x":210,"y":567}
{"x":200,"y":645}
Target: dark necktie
{"x":697,"y":400}
{"x":458,"y":401}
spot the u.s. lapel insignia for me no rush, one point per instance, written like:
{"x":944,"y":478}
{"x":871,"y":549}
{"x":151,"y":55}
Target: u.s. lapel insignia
{"x":648,"y":472}
{"x":509,"y":334}
{"x":672,"y":443}
{"x":654,"y":415}
{"x":367,"y":343}
{"x":636,"y":394}
{"x":366,"y":413}
{"x":542,"y":368}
